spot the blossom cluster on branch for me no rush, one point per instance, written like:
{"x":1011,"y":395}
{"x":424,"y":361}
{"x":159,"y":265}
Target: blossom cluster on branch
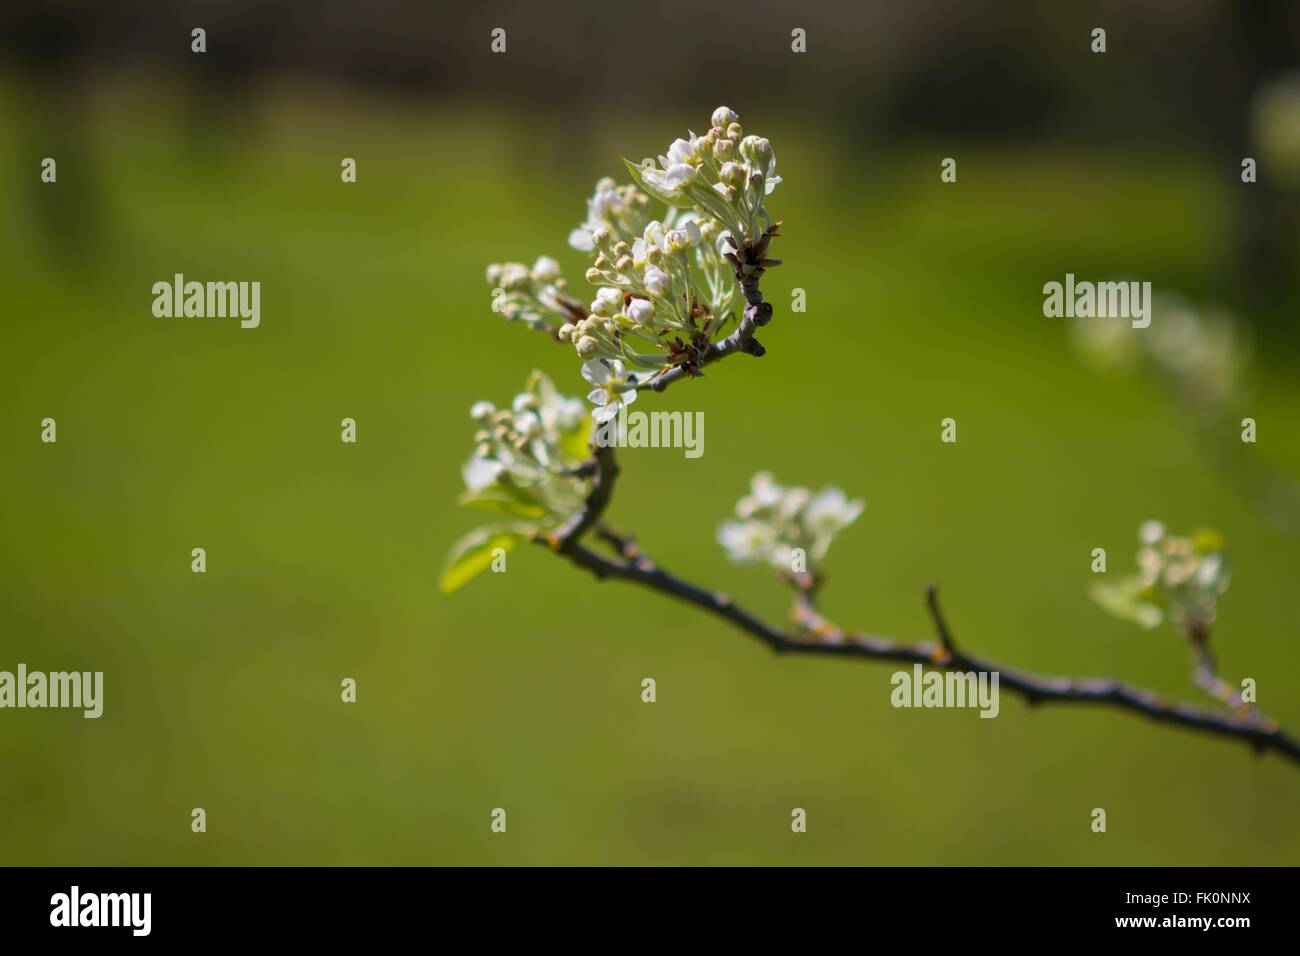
{"x":786,"y":527}
{"x":1179,"y":578}
{"x":663,"y":261}
{"x":670,"y":285}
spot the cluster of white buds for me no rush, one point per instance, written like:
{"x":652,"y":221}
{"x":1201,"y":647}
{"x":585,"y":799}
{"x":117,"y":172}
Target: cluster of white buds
{"x":527,"y":456}
{"x":723,"y":173}
{"x":533,"y":296}
{"x":663,"y":291}
{"x":772,"y":521}
{"x":1178,"y":578}
{"x":666,"y":287}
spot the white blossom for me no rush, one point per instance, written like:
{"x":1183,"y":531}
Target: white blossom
{"x":746,"y":541}
{"x":546,"y":269}
{"x":656,"y":281}
{"x":615,"y":387}
{"x":774,"y":521}
{"x":480,"y":473}
{"x":830,"y":510}
{"x":683,"y":150}
{"x":640,"y":311}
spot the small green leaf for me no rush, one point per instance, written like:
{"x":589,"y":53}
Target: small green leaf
{"x":575,"y":445}
{"x":679,"y":200}
{"x":504,"y":500}
{"x":1125,"y":599}
{"x":472,"y":554}
{"x":1207,"y":541}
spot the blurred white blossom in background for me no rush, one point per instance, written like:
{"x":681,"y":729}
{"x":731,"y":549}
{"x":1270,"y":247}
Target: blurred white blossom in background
{"x":1177,"y":578}
{"x":1203,"y":353}
{"x":772,"y":521}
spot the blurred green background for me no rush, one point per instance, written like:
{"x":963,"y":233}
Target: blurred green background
{"x":522,"y":691}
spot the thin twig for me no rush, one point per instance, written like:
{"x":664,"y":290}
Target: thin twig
{"x":750,"y":262}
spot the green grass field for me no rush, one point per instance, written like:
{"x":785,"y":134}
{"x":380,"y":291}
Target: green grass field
{"x":522,"y":690}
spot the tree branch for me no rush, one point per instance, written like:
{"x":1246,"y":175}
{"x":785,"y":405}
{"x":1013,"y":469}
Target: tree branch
{"x":603,"y":471}
{"x":813,"y":634}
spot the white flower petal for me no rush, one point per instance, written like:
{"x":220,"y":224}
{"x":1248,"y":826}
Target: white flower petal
{"x":580,"y":239}
{"x":480,"y":473}
{"x":595,"y":371}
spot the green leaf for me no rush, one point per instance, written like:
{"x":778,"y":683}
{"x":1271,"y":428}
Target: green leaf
{"x":472,"y":554}
{"x":679,"y":200}
{"x":1126,"y":601}
{"x":503,"y":500}
{"x":1207,"y":541}
{"x":575,"y":445}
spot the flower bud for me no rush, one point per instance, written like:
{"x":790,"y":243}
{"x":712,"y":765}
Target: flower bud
{"x":514,"y":276}
{"x":640,"y":311}
{"x":656,"y":281}
{"x":593,"y":276}
{"x":624,"y":264}
{"x":546,"y":269}
{"x":677,"y":240}
{"x":723,"y":117}
{"x":586,"y":345}
{"x":481,"y":410}
{"x":757,"y":150}
{"x":733,"y":174}
{"x":566,"y":330}
{"x":608,"y":301}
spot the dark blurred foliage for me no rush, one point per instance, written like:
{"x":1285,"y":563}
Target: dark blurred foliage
{"x":947,"y":67}
{"x":1178,"y":72}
